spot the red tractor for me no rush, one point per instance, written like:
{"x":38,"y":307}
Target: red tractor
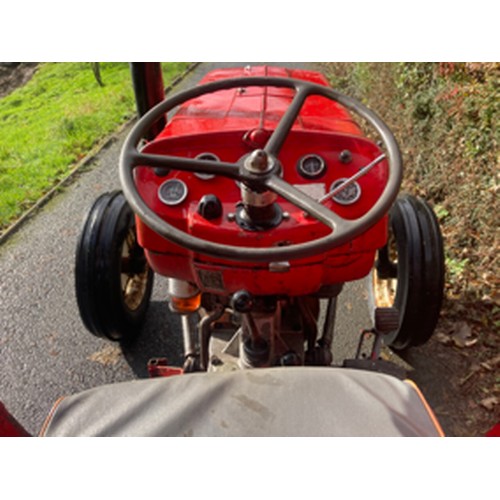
{"x":259,"y":197}
{"x":257,"y":200}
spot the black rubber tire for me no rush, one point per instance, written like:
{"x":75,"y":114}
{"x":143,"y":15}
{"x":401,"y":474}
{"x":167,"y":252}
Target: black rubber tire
{"x":419,"y":271}
{"x":99,"y":267}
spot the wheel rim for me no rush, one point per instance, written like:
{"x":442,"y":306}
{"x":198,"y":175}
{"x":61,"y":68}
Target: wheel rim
{"x":134,"y":272}
{"x":385,"y":289}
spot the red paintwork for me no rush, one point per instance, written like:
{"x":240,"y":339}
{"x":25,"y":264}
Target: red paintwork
{"x":230,"y":124}
{"x":494,"y":431}
{"x":9,"y":426}
{"x":159,"y":367}
{"x":258,"y":107}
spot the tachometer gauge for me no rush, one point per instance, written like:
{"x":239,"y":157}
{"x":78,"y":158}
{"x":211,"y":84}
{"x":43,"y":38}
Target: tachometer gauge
{"x":209,"y":157}
{"x":172,"y":192}
{"x":311,"y":166}
{"x":350,"y":194}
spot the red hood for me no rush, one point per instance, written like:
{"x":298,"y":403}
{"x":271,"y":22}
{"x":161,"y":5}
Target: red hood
{"x":258,"y":107}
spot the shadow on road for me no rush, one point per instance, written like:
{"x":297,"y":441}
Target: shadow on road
{"x":433,"y":369}
{"x":160,"y":337}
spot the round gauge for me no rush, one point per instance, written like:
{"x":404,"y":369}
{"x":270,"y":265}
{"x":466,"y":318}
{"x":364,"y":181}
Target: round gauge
{"x":172,"y":192}
{"x":350,"y":194}
{"x":209,"y":157}
{"x":311,"y":166}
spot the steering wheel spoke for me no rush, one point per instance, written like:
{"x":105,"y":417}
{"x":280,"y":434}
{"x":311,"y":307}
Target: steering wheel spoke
{"x":307,"y":204}
{"x":277,"y":139}
{"x":187,"y":164}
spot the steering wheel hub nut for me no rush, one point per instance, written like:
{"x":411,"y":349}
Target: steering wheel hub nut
{"x":258,"y":162}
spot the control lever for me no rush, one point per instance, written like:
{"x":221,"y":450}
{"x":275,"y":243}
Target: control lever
{"x":255,"y":347}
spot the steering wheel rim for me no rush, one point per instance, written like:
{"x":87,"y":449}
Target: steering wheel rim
{"x":342,"y":230}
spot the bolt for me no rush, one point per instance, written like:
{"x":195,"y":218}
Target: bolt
{"x":345,"y":156}
{"x":216,"y":361}
{"x":257,"y":162}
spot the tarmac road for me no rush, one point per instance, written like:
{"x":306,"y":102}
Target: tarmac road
{"x":45,"y":351}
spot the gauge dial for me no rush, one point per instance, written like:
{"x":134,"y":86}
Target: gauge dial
{"x":172,"y":192}
{"x":311,"y":166}
{"x":350,"y":194}
{"x":209,"y":157}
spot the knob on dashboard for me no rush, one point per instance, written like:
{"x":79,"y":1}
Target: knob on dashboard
{"x":210,"y":207}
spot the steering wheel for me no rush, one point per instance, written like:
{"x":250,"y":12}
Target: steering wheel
{"x":262,"y":171}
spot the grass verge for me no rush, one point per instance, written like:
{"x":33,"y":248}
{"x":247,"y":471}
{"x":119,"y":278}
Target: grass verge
{"x":53,"y":121}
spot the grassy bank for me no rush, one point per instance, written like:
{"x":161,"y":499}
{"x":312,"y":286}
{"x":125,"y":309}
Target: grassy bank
{"x":53,"y":121}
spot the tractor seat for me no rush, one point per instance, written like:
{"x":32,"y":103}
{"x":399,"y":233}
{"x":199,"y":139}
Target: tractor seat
{"x":291,"y":401}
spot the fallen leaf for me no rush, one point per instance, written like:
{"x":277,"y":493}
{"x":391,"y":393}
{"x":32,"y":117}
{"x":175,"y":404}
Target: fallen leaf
{"x":471,"y":342}
{"x":110,"y":355}
{"x":475,"y":369}
{"x":493,"y":362}
{"x":472,"y":405}
{"x":443,"y":338}
{"x":461,"y":335}
{"x":489,"y":403}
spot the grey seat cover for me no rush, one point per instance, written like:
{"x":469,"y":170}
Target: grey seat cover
{"x":299,"y":401}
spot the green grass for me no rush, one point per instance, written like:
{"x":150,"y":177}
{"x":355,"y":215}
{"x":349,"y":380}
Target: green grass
{"x":54,"y":121}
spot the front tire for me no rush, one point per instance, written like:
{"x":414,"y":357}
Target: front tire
{"x":113,"y":280}
{"x":409,"y":272}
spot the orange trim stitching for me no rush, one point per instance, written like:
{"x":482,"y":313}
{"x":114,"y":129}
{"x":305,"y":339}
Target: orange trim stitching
{"x":427,"y":407}
{"x":49,"y":417}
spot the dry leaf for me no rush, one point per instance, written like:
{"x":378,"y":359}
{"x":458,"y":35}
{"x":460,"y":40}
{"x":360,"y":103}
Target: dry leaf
{"x":471,"y":342}
{"x":472,"y":405}
{"x":110,"y":355}
{"x":489,"y":403}
{"x":493,"y":362}
{"x":474,"y":369}
{"x":462,"y":335}
{"x":443,"y":338}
